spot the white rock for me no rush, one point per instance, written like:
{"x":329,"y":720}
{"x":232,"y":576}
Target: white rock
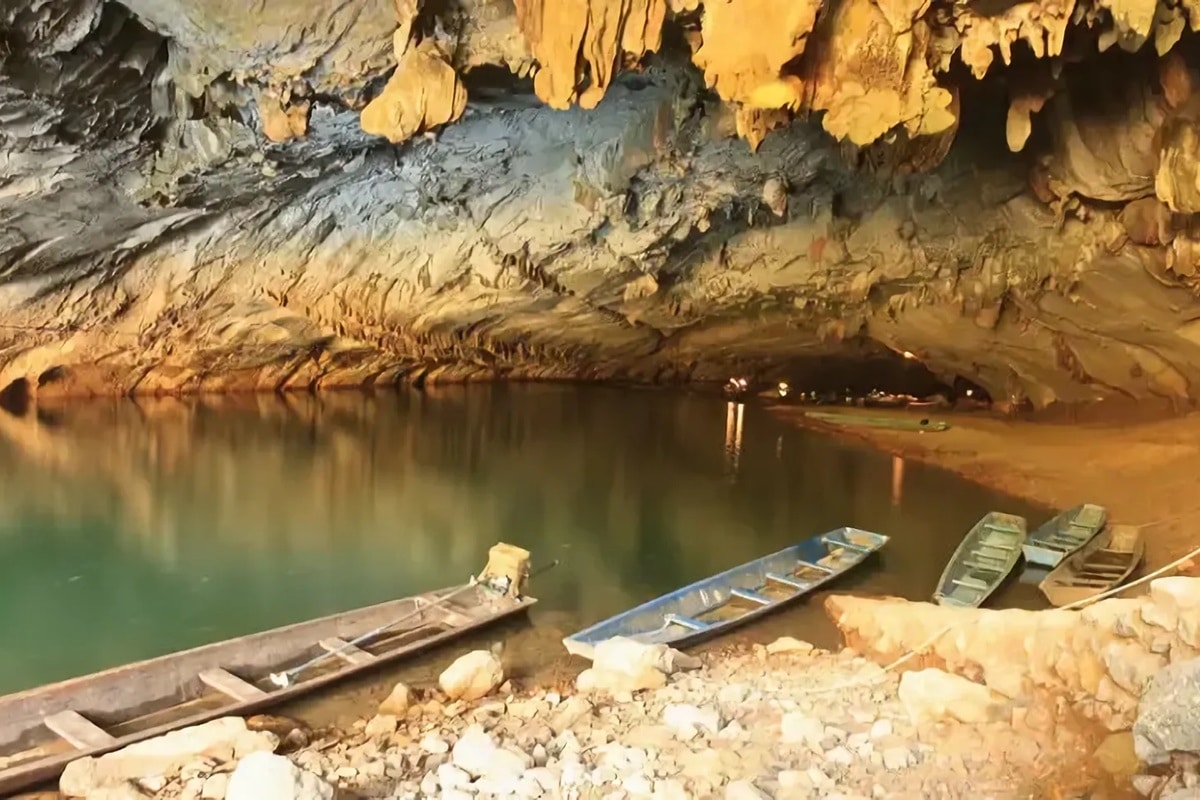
{"x":632,"y":657}
{"x":687,"y":720}
{"x":670,"y":789}
{"x":787,"y":644}
{"x":797,"y":728}
{"x":744,"y":790}
{"x":396,"y":704}
{"x":568,"y":713}
{"x":381,"y":725}
{"x":215,"y":786}
{"x":840,"y":756}
{"x":896,"y":758}
{"x":472,"y":676}
{"x":434,"y":744}
{"x":266,"y":776}
{"x":931,"y":694}
{"x":451,"y":777}
{"x":477,"y":753}
{"x":638,"y":786}
{"x":225,"y":739}
{"x":881,"y":728}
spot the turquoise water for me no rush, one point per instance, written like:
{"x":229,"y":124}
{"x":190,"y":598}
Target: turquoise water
{"x":129,"y":529}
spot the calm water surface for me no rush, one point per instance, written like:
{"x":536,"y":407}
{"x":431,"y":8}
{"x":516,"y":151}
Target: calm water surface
{"x":130,"y":529}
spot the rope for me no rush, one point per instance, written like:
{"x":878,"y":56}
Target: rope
{"x":920,"y":648}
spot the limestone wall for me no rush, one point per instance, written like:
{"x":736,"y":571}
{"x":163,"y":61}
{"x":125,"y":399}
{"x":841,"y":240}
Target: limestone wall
{"x":1099,"y":659}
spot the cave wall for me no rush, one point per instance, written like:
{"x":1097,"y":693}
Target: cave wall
{"x":333,"y":195}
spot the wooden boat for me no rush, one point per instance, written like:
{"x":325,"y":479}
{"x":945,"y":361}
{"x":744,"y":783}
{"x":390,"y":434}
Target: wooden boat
{"x":737,"y":596}
{"x":982,"y":561}
{"x":1064,"y":534}
{"x":893,"y":423}
{"x":1102,"y":564}
{"x":44,"y":729}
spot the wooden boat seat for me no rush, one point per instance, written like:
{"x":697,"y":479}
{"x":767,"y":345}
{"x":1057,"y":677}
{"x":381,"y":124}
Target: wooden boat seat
{"x":78,"y":731}
{"x":825,"y":540}
{"x":992,"y":526}
{"x":818,"y":567}
{"x":977,"y":566}
{"x":346,"y":652}
{"x":751,"y":596}
{"x":786,"y":581}
{"x":687,"y":622}
{"x":231,"y":685}
{"x":970,"y":583}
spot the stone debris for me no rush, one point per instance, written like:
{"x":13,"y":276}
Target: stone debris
{"x":738,"y":726}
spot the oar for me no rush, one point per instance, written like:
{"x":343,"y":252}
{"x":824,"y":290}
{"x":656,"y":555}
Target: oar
{"x":284,"y":679}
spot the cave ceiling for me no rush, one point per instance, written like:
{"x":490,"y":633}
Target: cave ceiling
{"x":218,"y":195}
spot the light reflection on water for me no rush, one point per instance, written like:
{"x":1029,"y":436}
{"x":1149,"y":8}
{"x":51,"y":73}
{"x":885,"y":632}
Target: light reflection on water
{"x":129,"y":529}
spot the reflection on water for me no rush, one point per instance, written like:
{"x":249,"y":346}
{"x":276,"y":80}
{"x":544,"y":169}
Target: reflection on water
{"x":132,"y":529}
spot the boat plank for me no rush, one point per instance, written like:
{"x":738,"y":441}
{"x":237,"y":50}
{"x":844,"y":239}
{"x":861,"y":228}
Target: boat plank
{"x":346,"y":651}
{"x":231,"y":685}
{"x":80,"y":732}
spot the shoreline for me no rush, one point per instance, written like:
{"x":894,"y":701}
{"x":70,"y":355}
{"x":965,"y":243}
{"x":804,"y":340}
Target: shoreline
{"x":1140,"y":472}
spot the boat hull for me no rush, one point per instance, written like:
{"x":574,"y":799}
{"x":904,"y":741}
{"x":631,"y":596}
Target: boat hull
{"x":736,"y":597}
{"x":984,"y":559}
{"x":1105,"y":563}
{"x":1064,"y":535}
{"x":132,"y":699}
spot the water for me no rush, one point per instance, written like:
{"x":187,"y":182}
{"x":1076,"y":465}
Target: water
{"x":129,"y":529}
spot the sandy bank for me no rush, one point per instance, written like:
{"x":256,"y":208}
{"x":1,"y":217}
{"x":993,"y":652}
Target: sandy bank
{"x":1144,"y":473}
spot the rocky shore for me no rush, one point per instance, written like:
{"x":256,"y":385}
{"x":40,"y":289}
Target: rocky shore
{"x":1011,"y":710}
{"x":784,"y":721}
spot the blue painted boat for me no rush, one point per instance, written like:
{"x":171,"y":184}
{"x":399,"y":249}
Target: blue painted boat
{"x":984,"y":558}
{"x":1064,"y":534}
{"x":737,"y":596}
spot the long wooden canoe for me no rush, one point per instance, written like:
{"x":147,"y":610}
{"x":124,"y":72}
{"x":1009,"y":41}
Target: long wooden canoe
{"x":44,"y":729}
{"x":1064,"y":534}
{"x":982,"y":561}
{"x":1102,"y":564}
{"x":891,"y":423}
{"x":737,"y":596}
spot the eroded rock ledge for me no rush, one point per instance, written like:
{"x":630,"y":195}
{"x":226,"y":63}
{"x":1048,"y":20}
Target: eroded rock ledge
{"x":1099,"y":660}
{"x":363,"y":192}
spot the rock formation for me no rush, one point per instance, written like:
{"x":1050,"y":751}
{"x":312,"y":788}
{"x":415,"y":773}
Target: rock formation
{"x":1099,"y":660}
{"x":198,"y":196}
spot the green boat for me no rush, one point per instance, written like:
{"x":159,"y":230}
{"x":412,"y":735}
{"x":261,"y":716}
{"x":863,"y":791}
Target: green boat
{"x":986,"y":556}
{"x":1063,"y":535}
{"x":924,"y":425}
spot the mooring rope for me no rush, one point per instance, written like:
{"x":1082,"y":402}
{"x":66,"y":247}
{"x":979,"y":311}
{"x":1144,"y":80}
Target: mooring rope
{"x":923,"y":646}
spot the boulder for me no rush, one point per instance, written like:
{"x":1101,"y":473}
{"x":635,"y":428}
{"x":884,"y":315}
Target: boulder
{"x":788,"y":644}
{"x":1168,"y":717}
{"x":623,"y":666}
{"x":266,"y":776}
{"x":472,"y":676}
{"x":396,"y":704}
{"x":931,"y":694}
{"x":225,"y":739}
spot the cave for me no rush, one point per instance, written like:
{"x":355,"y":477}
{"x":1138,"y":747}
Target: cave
{"x":473,"y":190}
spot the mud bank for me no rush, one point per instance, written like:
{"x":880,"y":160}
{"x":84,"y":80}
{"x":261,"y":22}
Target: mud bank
{"x":1141,"y":471}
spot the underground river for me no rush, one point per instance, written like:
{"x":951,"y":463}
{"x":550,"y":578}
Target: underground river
{"x":130,"y":529}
